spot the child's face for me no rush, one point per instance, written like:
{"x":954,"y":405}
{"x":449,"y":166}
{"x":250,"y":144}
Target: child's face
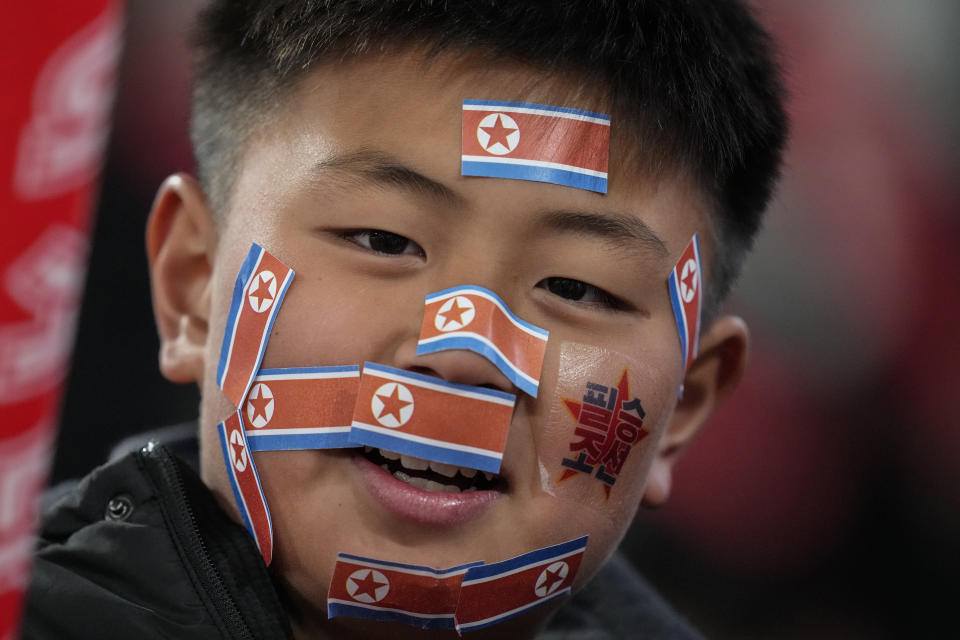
{"x":375,"y":145}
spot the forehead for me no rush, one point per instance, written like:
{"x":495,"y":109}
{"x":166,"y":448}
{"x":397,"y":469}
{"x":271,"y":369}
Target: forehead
{"x":408,"y":108}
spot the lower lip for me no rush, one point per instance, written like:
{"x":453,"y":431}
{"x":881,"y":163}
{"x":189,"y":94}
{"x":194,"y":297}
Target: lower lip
{"x":436,"y":508}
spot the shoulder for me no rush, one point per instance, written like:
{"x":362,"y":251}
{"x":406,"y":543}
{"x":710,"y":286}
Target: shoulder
{"x":133,"y":550}
{"x":618,"y":603}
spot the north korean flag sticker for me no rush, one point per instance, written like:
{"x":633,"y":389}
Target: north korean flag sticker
{"x":498,"y":134}
{"x":392,"y":405}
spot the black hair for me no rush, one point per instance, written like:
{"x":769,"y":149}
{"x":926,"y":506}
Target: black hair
{"x":695,"y":80}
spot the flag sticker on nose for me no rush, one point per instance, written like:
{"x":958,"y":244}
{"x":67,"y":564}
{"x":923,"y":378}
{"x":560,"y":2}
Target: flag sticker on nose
{"x":492,"y":593}
{"x":430,"y":418}
{"x":301,"y":408}
{"x":378,"y":590}
{"x":245,"y":483}
{"x":257,"y":293}
{"x":473,"y":318}
{"x":686,"y":284}
{"x":528,"y":141}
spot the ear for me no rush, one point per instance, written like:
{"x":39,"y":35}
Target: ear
{"x":712,"y":376}
{"x":181,"y":239}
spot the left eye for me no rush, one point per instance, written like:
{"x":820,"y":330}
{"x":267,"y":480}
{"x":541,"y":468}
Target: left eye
{"x":581,"y":292}
{"x":384,"y":242}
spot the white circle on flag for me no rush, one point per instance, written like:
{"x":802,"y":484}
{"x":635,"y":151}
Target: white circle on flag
{"x":463,"y":314}
{"x":392,"y":405}
{"x":260,"y":405}
{"x":551,"y":578}
{"x":361,"y":582}
{"x":238,"y":452}
{"x":689,"y":272}
{"x":262,"y":291}
{"x":495,"y":136}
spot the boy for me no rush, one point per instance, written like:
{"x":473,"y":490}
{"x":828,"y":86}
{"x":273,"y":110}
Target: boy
{"x":341,"y":137}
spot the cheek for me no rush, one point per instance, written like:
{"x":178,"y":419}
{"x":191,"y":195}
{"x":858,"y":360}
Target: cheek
{"x":600,"y":421}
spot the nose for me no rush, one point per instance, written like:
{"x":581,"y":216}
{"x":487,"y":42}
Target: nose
{"x":457,"y":365}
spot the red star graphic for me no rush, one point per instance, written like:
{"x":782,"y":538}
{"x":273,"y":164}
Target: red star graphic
{"x":259,"y":406}
{"x":455,"y":313}
{"x":392,"y":404}
{"x":368,"y":585}
{"x":263,"y":291}
{"x":553,"y":577}
{"x":498,"y":133}
{"x":237,"y":451}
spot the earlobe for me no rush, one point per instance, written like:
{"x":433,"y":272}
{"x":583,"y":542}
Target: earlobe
{"x":712,"y":376}
{"x":181,"y":239}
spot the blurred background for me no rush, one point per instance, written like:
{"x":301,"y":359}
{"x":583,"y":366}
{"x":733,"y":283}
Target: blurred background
{"x":824,"y":499}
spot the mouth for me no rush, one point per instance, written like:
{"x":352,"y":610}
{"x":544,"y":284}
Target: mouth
{"x":431,"y":476}
{"x":427,"y":493}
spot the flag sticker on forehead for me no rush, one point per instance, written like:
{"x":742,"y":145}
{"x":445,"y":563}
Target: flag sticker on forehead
{"x":301,"y":408}
{"x":245,"y":483}
{"x":686,"y":284}
{"x":473,"y":318}
{"x":528,"y":141}
{"x":257,"y":294}
{"x":390,"y":591}
{"x":430,"y":418}
{"x":492,"y":593}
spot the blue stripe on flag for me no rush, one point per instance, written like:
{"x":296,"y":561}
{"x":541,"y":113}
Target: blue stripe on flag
{"x":413,"y":377}
{"x":411,"y":567}
{"x":530,"y":558}
{"x":286,"y":371}
{"x":239,"y":286}
{"x":436,"y":452}
{"x":478,"y":346}
{"x":533,"y":105}
{"x":336,"y":608}
{"x":538,"y":174}
{"x":298,"y":441}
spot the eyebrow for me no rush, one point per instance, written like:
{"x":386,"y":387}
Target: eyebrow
{"x":379,"y":168}
{"x":620,"y":228}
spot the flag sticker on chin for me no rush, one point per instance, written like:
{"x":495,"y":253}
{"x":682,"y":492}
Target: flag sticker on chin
{"x":431,"y":418}
{"x":492,"y":593}
{"x":245,"y":483}
{"x":473,"y":318}
{"x":301,"y":408}
{"x":528,"y":141}
{"x":686,"y":296}
{"x":258,"y":292}
{"x":390,"y":591}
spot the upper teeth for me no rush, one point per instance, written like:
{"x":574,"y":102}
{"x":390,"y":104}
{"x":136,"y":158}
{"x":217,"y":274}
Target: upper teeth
{"x":419,"y":464}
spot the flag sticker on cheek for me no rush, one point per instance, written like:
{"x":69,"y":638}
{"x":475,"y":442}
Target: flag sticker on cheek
{"x":476,"y":319}
{"x":430,"y":418}
{"x":301,"y":408}
{"x":245,"y":482}
{"x":257,"y":294}
{"x":492,"y":593}
{"x":528,"y":141}
{"x":391,"y":591}
{"x":685,"y":286}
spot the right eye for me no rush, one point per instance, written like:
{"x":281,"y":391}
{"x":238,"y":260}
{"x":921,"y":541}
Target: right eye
{"x":383,"y":242}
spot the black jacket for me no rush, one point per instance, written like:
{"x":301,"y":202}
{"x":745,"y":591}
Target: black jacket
{"x":140,"y":549}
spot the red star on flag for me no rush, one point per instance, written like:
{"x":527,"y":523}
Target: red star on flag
{"x":238,"y":454}
{"x":367,"y":586}
{"x":392,"y":404}
{"x":259,"y":406}
{"x":263,"y":290}
{"x":456,"y":312}
{"x":553,"y":577}
{"x":498,"y":133}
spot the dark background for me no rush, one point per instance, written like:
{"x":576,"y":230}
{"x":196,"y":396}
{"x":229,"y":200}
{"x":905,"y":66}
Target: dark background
{"x":824,"y":500}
